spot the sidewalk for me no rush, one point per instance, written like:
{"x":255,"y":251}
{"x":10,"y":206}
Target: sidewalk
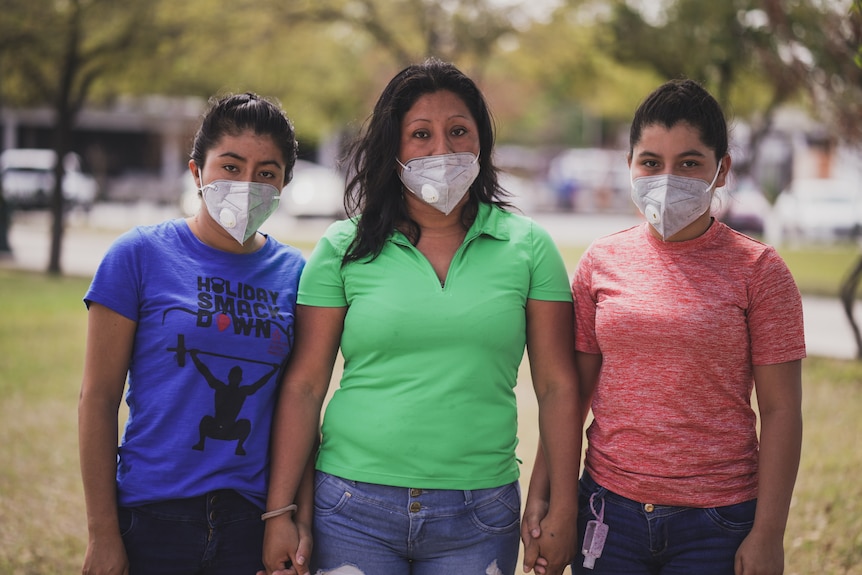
{"x":86,"y":238}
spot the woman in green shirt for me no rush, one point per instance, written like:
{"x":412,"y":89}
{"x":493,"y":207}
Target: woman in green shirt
{"x":432,"y":293}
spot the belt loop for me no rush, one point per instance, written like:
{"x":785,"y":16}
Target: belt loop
{"x":468,"y":497}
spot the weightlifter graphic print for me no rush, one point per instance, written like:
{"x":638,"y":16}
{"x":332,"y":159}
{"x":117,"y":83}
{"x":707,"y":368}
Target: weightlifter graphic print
{"x":235,"y":310}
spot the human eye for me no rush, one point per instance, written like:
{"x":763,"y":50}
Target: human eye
{"x":267,"y":174}
{"x":690,"y":163}
{"x":459,"y":131}
{"x":230,"y":168}
{"x":421,"y":134}
{"x":650,"y":164}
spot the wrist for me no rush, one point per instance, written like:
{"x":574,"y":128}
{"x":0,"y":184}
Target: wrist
{"x":287,"y":509}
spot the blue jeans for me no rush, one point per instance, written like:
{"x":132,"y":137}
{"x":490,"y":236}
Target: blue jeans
{"x":214,"y":534}
{"x":661,"y":540}
{"x":380,"y":530}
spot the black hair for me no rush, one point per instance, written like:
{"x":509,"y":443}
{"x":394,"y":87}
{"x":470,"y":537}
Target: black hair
{"x":375,"y":191}
{"x":236,"y":113}
{"x":686,"y":101}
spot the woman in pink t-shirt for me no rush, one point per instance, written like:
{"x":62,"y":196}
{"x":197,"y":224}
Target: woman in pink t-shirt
{"x":678,"y":319}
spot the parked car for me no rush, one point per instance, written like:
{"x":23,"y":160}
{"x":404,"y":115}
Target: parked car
{"x":28,"y":178}
{"x":745,"y":208}
{"x":821,"y":209}
{"x":314,"y":191}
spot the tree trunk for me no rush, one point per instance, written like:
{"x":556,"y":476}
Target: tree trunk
{"x":5,"y":221}
{"x":848,"y":298}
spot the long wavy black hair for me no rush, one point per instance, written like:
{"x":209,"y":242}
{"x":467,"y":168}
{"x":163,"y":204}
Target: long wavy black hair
{"x":375,"y":192}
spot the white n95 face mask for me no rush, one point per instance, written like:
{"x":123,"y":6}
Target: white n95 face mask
{"x":440,"y":181}
{"x":670,"y":203}
{"x":240,"y":207}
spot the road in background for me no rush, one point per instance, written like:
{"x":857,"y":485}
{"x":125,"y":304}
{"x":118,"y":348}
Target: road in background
{"x":88,"y":235}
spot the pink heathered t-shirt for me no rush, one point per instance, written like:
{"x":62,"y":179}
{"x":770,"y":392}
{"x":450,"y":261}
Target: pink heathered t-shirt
{"x":679,"y":326}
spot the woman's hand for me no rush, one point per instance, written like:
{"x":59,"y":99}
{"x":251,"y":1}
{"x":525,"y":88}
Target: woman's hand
{"x":286,"y":547}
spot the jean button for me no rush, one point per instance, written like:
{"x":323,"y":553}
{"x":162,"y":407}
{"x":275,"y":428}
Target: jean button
{"x":649,"y":507}
{"x":415,"y":507}
{"x":415,"y":492}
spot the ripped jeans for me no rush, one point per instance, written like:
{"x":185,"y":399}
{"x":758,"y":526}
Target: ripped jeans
{"x":367,"y":529}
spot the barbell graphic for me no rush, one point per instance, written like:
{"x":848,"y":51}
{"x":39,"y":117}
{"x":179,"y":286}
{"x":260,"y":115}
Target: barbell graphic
{"x":181,"y":350}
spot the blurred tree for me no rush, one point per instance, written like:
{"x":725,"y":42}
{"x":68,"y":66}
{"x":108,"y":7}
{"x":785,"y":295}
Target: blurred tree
{"x":754,"y":55}
{"x":463,"y":31}
{"x":819,"y":43}
{"x":552,"y":86}
{"x":367,"y":41}
{"x":55,"y":53}
{"x":851,"y":283}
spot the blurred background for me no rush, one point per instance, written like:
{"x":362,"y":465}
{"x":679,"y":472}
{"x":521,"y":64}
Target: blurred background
{"x":117,"y":88}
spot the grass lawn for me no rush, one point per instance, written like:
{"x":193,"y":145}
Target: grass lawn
{"x":42,"y":524}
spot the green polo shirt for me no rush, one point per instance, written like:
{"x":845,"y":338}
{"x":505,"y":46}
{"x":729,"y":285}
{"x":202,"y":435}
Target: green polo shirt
{"x":427,"y":396}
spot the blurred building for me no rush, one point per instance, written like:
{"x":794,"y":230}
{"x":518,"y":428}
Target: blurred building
{"x":136,"y":149}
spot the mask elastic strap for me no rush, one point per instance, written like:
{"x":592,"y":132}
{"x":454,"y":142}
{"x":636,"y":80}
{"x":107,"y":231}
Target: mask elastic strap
{"x":476,"y":159}
{"x":715,"y":178}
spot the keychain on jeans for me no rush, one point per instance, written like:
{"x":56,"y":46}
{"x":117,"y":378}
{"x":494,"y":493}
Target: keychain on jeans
{"x":594,"y":536}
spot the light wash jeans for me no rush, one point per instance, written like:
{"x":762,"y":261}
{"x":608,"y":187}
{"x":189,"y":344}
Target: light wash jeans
{"x":368,"y":529}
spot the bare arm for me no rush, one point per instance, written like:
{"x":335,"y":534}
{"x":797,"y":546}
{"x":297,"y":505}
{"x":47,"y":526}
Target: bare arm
{"x":108,"y":352}
{"x":296,"y":427}
{"x":588,"y":366}
{"x":550,"y":344}
{"x":779,"y":397}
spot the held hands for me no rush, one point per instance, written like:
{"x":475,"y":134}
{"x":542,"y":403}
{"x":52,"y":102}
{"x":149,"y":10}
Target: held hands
{"x":549,"y":541}
{"x":286,"y":547}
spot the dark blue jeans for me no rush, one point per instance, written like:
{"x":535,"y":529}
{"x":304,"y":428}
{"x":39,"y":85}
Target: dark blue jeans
{"x":219,"y":533}
{"x":646,"y":539}
{"x":380,"y":530}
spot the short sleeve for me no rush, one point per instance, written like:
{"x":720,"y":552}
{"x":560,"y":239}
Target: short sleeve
{"x":118,"y":279}
{"x":322,"y":281}
{"x":585,"y":306}
{"x":775,"y":312}
{"x":549,"y":278}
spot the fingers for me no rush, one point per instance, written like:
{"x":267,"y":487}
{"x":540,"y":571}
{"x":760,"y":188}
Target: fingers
{"x":541,"y":566}
{"x":531,"y":555}
{"x":531,"y":522}
{"x":303,"y":551}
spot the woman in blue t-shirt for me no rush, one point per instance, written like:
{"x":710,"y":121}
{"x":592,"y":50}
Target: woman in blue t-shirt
{"x":197,"y":315}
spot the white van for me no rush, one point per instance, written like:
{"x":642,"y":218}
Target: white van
{"x":28,"y":178}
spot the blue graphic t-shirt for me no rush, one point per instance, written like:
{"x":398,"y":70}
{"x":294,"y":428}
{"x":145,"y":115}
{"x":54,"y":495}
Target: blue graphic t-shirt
{"x":214,"y":330}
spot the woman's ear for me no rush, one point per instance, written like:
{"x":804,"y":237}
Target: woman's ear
{"x":724,"y":170}
{"x":193,"y":168}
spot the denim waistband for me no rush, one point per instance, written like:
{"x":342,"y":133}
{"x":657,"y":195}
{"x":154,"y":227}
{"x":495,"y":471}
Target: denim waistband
{"x":224,"y":504}
{"x":589,"y":487}
{"x":391,"y":493}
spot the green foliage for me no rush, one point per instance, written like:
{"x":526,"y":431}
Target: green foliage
{"x":820,"y":271}
{"x":41,"y":335}
{"x":570,"y":79}
{"x":62,"y":47}
{"x":824,"y":531}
